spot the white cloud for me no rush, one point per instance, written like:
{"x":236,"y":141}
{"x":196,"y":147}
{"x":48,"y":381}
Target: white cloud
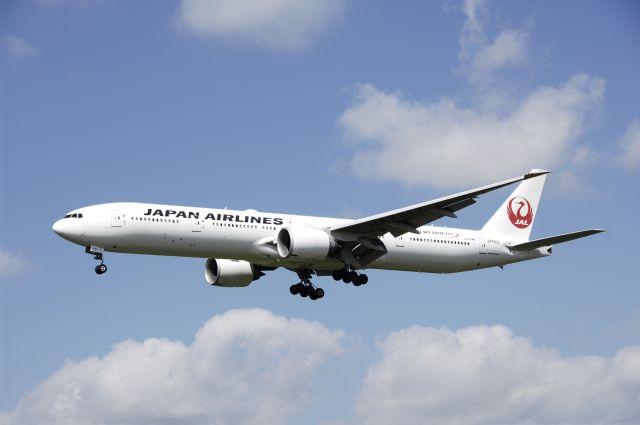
{"x":508,"y":49}
{"x":277,"y":24}
{"x":487,"y":376}
{"x":244,"y":367}
{"x":253,"y":367}
{"x":630,"y":145}
{"x":443,"y":144}
{"x":11,"y":264}
{"x":453,"y":143}
{"x":482,"y":57}
{"x":17,"y":47}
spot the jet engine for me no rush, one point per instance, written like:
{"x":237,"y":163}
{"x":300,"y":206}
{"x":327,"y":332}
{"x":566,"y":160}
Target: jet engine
{"x":304,"y":242}
{"x":230,"y":273}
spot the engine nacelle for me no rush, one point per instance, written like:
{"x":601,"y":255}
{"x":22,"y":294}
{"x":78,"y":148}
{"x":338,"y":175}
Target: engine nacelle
{"x":304,"y":242}
{"x":230,"y":273}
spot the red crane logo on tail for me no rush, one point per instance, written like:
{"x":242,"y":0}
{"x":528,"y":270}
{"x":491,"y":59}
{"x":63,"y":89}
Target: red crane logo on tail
{"x":520,"y":212}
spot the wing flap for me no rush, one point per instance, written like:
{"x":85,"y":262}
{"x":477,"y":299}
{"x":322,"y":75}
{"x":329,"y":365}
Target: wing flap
{"x":551,"y":240}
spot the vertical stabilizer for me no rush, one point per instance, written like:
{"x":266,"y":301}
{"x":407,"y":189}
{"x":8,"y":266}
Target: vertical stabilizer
{"x":514,"y":219}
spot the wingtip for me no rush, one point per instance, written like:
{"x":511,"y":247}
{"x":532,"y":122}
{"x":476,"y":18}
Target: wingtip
{"x":535,"y":173}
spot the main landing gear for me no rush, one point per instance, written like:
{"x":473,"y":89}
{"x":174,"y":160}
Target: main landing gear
{"x":350,"y":276}
{"x":305,"y":288}
{"x":97,"y":255}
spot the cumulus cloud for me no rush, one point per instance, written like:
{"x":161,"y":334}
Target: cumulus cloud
{"x":444,"y":144}
{"x":17,"y":47}
{"x":11,"y":264}
{"x":480,"y":56}
{"x":277,"y":24}
{"x":452,"y":143}
{"x":630,"y":145}
{"x":244,"y":367}
{"x":253,"y":367}
{"x":486,"y":375}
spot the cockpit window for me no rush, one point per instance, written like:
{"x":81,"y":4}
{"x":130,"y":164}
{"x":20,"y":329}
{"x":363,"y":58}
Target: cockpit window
{"x":76,"y":215}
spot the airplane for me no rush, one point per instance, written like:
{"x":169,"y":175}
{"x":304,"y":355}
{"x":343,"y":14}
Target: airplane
{"x":240,"y":246}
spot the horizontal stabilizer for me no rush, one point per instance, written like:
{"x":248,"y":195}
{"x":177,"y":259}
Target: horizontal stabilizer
{"x":554,"y":240}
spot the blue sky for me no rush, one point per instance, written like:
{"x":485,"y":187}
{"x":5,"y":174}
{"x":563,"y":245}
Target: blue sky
{"x":336,"y":108}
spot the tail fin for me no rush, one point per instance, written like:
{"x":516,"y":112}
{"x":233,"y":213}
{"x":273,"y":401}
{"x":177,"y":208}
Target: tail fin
{"x":514,"y":219}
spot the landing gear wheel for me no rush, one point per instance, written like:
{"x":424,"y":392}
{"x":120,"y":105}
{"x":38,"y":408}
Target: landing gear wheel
{"x":305,"y":288}
{"x":336,"y":275}
{"x":361,"y":280}
{"x":101,"y":268}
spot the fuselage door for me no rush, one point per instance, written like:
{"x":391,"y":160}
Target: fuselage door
{"x":117,"y":219}
{"x":197,"y":225}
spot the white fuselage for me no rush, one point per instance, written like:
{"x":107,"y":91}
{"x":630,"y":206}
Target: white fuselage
{"x":249,"y":235}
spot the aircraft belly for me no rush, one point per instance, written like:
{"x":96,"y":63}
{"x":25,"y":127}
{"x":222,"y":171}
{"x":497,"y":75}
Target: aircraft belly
{"x":428,"y":260}
{"x":176,"y":243}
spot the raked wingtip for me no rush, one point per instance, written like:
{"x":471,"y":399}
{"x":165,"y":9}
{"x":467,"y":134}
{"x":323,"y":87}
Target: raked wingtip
{"x":535,"y":173}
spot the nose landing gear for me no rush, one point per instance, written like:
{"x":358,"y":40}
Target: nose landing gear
{"x":97,"y":255}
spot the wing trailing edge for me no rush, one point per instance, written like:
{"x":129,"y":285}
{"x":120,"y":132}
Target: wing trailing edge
{"x":408,"y":219}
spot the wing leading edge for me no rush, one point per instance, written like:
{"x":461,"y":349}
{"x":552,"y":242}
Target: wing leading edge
{"x":408,"y":219}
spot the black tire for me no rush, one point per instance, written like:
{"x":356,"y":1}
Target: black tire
{"x":361,"y":280}
{"x":353,"y":275}
{"x":304,"y":292}
{"x":312,"y":295}
{"x":337,"y":275}
{"x":346,"y":278}
{"x":101,"y":268}
{"x":294,"y":289}
{"x":319,"y":293}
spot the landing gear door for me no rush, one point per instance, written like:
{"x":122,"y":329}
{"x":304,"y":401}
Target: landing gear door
{"x":117,"y":219}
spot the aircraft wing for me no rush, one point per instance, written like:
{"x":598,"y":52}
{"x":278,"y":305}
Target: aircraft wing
{"x":408,"y":219}
{"x":554,"y":240}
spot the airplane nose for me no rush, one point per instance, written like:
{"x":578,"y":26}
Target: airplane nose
{"x":57,"y":227}
{"x":70,"y":230}
{"x":61,"y":228}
